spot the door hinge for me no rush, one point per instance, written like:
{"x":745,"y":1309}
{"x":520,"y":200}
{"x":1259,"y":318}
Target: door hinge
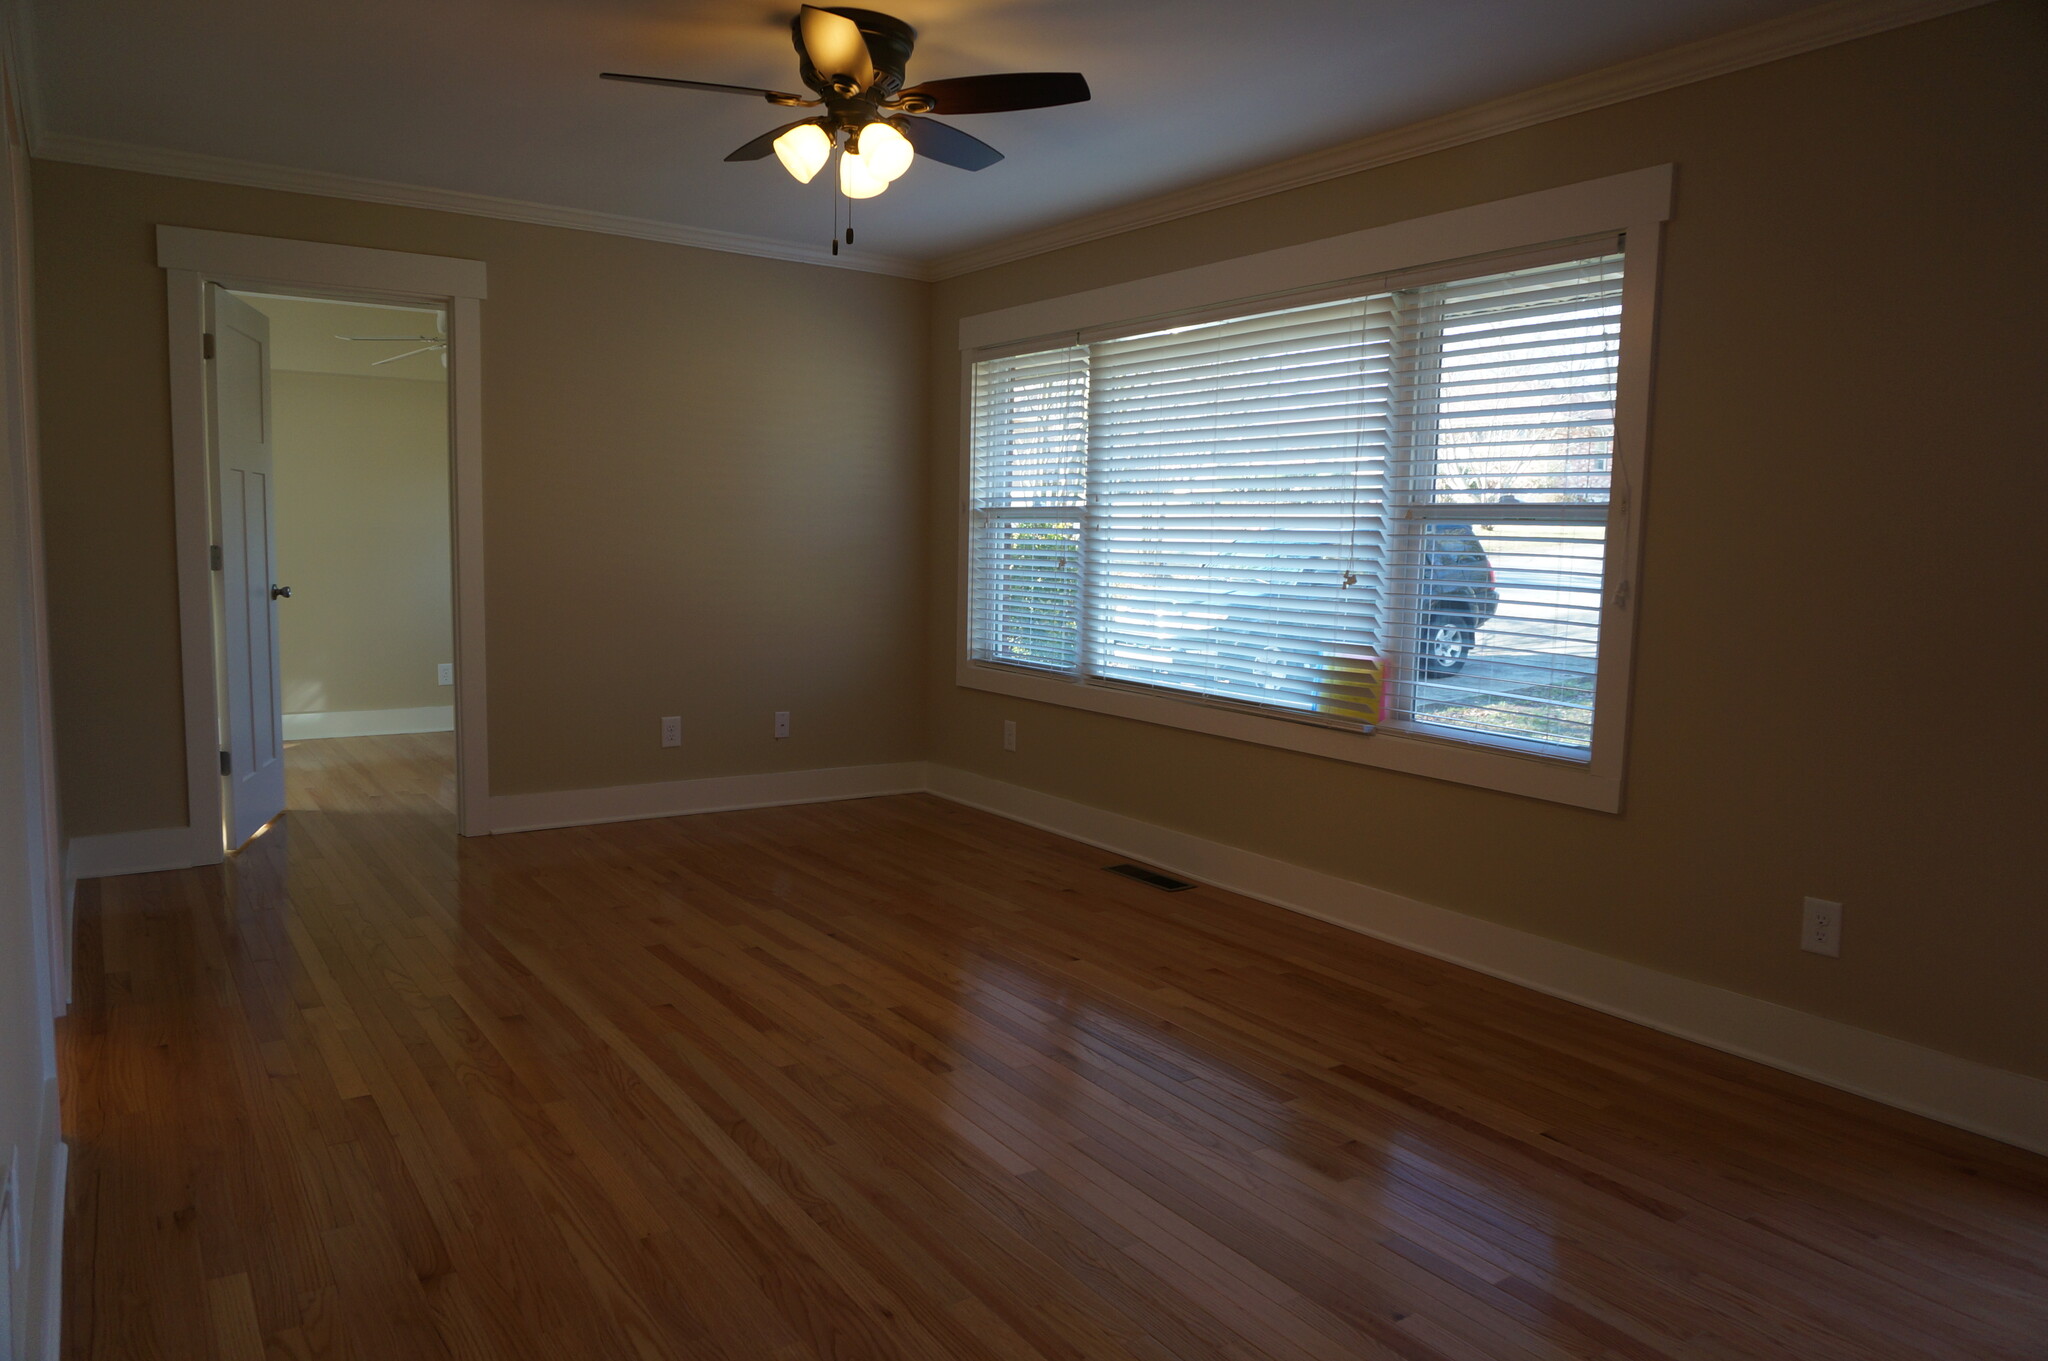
{"x":227,"y":764}
{"x":206,"y":346}
{"x":213,"y":553}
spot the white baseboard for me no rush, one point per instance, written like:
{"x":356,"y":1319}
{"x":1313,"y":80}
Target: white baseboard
{"x":161,"y":848}
{"x":2003,"y":1105}
{"x":2007,"y":1106}
{"x":633,"y":802}
{"x":369,"y":722}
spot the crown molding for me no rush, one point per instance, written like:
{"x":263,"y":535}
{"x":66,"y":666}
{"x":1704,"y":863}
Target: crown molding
{"x":1772,"y":40}
{"x":223,"y":170}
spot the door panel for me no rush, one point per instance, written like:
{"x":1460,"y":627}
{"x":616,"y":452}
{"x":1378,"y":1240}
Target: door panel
{"x":252,"y":726}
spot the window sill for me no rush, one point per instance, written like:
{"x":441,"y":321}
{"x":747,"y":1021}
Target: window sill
{"x":1509,"y":771}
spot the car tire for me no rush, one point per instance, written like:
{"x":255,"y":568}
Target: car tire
{"x":1446,"y":644}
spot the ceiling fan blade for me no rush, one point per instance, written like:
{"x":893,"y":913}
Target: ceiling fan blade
{"x":772,"y":95}
{"x":1001,"y":94}
{"x":947,"y":145}
{"x":834,"y":47}
{"x":764,"y":145}
{"x":378,"y":364}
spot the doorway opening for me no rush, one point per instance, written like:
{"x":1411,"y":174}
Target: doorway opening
{"x":364,"y":606}
{"x":235,"y":698}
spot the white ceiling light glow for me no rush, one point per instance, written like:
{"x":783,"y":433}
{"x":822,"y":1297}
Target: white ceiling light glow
{"x":803,"y":151}
{"x":881,"y":157}
{"x":857,"y":179}
{"x":886,"y":151}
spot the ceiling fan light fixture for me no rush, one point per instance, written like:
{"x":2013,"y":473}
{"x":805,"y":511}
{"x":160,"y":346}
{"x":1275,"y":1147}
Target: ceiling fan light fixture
{"x":803,"y":151}
{"x":857,"y":179}
{"x":853,"y":60}
{"x":885,"y":151}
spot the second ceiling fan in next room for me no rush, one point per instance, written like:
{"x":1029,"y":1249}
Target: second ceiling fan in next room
{"x":852,"y":60}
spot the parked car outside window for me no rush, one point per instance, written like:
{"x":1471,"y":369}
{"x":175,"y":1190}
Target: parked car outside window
{"x":1461,"y":598}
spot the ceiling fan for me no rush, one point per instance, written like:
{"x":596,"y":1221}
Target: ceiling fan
{"x":426,"y":344}
{"x":852,"y":60}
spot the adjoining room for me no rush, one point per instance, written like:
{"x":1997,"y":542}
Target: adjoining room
{"x":359,"y":402}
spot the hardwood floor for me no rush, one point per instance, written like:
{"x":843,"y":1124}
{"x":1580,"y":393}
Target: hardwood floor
{"x":894,"y":1078}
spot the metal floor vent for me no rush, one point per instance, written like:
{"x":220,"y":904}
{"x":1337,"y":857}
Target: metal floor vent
{"x":1153,"y":877}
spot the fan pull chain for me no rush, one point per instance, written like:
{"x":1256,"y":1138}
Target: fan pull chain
{"x":835,"y":219}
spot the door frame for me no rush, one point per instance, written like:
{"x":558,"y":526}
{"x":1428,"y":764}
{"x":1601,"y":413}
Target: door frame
{"x":191,"y":260}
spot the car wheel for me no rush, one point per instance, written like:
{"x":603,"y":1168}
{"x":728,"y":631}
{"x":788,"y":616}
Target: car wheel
{"x":1446,"y":644}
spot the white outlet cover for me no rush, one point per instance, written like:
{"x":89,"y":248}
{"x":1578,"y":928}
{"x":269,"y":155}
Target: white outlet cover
{"x":782,"y":722}
{"x":444,"y":674}
{"x":1820,"y":927}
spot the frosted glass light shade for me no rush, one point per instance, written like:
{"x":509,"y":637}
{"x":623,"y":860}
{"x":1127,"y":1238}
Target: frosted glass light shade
{"x":886,"y":151}
{"x":857,"y":178}
{"x":803,"y":151}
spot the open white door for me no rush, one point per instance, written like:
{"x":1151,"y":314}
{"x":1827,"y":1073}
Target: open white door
{"x":252,"y":720}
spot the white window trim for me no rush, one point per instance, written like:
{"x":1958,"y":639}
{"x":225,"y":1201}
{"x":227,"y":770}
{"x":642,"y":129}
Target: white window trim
{"x":1637,"y":203}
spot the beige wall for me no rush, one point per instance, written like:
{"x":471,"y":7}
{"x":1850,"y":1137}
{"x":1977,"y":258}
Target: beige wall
{"x":698,"y":499}
{"x":1839,"y":674}
{"x":361,"y":449}
{"x":362,"y":539}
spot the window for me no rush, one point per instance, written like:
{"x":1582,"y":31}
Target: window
{"x":1374,"y":510}
{"x":1386,"y":511}
{"x":1503,"y":447}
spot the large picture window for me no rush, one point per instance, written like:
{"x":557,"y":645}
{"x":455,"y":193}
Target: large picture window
{"x":1383,"y":511}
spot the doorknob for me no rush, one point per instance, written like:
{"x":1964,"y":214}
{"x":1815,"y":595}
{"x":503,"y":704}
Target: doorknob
{"x":280,"y":593}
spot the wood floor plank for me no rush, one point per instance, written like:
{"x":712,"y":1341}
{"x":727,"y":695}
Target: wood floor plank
{"x":896,"y":1080}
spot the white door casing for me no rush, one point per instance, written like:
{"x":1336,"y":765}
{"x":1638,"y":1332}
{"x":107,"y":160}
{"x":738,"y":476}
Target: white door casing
{"x":238,"y":409}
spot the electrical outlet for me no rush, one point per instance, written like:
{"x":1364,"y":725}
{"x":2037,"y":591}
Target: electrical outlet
{"x":444,"y":674}
{"x":782,"y":722}
{"x":1820,"y":929}
{"x":672,"y":732}
{"x":1009,"y":734}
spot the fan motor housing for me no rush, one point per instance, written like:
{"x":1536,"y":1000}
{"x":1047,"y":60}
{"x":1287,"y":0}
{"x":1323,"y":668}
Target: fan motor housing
{"x":890,"y":42}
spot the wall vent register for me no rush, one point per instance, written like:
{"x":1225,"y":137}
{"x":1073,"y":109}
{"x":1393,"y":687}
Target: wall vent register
{"x":1165,"y":882}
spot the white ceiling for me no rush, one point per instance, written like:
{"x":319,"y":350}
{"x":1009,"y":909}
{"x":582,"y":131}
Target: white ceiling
{"x":500,"y":97}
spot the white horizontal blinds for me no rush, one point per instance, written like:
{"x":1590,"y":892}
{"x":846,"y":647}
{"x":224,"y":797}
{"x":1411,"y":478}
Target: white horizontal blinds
{"x":1236,"y":472}
{"x":1502,"y":450}
{"x":1029,"y":488}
